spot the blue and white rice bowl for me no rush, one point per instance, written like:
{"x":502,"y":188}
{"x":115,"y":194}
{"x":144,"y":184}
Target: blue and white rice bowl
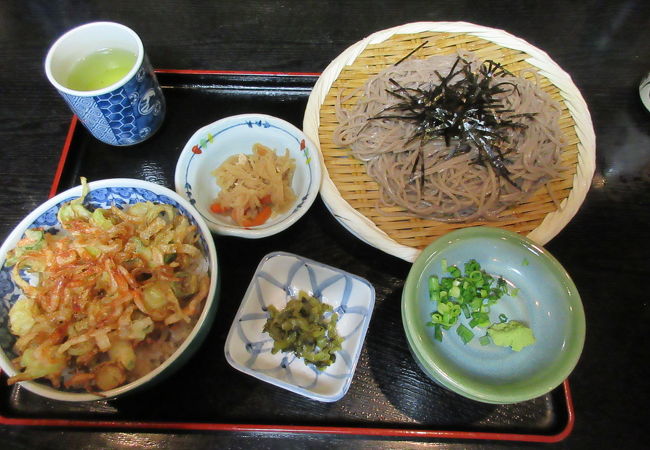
{"x":103,"y":194}
{"x":211,"y":145}
{"x":279,"y":278}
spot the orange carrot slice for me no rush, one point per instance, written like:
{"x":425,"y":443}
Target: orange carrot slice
{"x":217,"y":208}
{"x":261,"y":217}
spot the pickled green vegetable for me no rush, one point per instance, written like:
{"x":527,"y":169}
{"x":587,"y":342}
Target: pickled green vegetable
{"x":306,"y":327}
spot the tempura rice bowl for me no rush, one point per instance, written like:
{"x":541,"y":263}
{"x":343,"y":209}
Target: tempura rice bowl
{"x":103,"y":194}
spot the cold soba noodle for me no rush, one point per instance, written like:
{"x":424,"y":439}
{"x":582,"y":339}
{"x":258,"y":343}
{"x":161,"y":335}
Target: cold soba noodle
{"x":491,"y":161}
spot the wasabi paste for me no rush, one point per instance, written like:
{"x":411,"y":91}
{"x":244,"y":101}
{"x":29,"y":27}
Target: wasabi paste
{"x":512,"y":334}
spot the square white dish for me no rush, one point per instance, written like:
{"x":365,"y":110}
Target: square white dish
{"x":278,"y":278}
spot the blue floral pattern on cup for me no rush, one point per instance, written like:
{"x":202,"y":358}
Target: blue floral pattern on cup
{"x":127,"y":115}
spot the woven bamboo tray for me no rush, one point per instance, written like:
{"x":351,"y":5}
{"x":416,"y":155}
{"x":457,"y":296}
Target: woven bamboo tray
{"x":351,"y":195}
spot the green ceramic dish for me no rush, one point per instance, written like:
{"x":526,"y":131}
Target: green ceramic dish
{"x":547,"y":301}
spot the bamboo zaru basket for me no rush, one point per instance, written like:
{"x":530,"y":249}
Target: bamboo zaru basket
{"x":352,"y":195}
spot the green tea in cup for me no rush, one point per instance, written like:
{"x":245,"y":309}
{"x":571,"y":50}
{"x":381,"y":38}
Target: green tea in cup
{"x":100,"y":69}
{"x":102,"y":72}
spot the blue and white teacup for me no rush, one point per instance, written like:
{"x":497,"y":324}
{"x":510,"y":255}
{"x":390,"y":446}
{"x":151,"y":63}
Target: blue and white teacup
{"x":126,"y":112}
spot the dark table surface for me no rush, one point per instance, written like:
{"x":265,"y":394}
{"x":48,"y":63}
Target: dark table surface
{"x":604,"y":45}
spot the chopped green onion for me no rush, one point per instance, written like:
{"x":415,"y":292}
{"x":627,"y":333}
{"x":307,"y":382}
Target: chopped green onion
{"x":465,"y":333}
{"x":434,"y":286}
{"x":472,"y":266}
{"x":484,"y":340}
{"x":480,"y":319}
{"x":437,"y":332}
{"x":524,"y":262}
{"x":476,"y":276}
{"x":471,"y":294}
{"x":466,"y":311}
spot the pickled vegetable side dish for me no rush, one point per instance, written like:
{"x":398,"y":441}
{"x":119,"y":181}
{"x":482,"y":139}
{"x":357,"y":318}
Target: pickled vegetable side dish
{"x":255,"y":187}
{"x":305,"y":327}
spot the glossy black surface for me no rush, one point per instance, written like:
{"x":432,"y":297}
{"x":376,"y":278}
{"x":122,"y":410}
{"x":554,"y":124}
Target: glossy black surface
{"x":388,"y":389}
{"x":604,"y":45}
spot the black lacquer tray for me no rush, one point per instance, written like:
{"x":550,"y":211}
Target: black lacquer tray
{"x":389,"y":395}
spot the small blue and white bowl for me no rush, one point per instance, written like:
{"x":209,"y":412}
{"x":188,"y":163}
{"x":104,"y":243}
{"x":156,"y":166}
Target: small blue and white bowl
{"x":104,"y":193}
{"x":211,"y":145}
{"x":279,"y":278}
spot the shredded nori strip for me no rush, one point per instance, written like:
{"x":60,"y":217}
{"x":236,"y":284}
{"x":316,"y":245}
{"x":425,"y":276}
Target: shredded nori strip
{"x":468,"y":110}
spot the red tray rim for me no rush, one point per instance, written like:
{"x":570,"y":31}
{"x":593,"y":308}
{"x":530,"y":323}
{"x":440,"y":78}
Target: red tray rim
{"x":301,"y":429}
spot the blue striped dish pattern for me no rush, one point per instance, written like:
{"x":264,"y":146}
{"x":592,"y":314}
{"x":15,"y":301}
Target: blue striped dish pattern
{"x":279,"y":277}
{"x":96,"y":198}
